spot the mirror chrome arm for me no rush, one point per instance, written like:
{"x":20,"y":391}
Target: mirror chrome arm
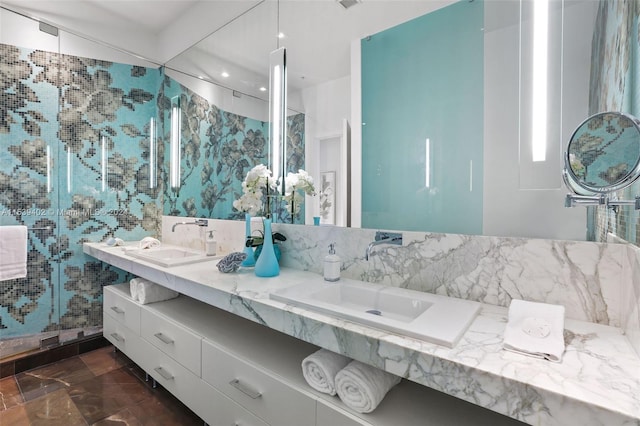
{"x":635,"y":203}
{"x":573,"y":200}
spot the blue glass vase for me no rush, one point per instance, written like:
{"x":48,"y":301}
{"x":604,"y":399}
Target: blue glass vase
{"x":250,"y":260}
{"x":267,"y":263}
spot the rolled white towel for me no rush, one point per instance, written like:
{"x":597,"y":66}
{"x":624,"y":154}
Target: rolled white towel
{"x":133,"y":287}
{"x":149,"y":292}
{"x":320,"y":368}
{"x":362,"y":387}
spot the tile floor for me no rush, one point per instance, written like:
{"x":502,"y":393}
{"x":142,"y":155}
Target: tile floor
{"x":101,"y":387}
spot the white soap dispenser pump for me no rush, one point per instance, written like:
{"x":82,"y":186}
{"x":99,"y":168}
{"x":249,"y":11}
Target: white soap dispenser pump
{"x":332,"y":265}
{"x":210,"y":245}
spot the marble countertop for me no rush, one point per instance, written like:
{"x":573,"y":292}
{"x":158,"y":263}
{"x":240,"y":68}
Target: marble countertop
{"x":597,"y":382}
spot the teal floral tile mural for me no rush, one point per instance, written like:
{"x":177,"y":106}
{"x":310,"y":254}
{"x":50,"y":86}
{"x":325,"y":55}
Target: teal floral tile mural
{"x":218,"y":148}
{"x":75,"y":166}
{"x":615,"y":87}
{"x":74,"y":146}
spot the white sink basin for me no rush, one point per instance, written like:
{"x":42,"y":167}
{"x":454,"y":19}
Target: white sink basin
{"x":437,"y":319}
{"x":168,"y":256}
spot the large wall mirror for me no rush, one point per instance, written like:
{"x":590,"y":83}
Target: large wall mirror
{"x":434,"y":101}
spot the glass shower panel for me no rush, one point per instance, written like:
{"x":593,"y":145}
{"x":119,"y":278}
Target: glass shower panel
{"x":108,"y":111}
{"x":422,"y":130}
{"x":29,"y":182}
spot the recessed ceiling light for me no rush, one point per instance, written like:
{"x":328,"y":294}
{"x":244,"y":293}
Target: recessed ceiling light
{"x":280,"y":35}
{"x":263,"y":89}
{"x":201,"y":77}
{"x":348,"y":3}
{"x":225,"y":74}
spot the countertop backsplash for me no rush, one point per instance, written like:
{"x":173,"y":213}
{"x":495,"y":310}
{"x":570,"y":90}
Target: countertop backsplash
{"x":596,"y":282}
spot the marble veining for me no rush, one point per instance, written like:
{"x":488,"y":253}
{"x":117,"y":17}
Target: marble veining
{"x":585,"y":277}
{"x":597,"y":382}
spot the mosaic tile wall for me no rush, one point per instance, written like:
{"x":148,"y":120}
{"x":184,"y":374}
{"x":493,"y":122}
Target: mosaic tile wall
{"x":616,"y":87}
{"x":218,"y":149}
{"x":74,"y":111}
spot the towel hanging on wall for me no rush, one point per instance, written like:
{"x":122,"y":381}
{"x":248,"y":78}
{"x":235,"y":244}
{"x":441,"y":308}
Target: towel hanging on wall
{"x":13,"y":252}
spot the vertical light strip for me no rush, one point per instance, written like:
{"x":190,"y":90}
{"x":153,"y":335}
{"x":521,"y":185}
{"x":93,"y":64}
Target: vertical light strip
{"x":69,"y":170}
{"x":48,"y":168}
{"x":175,"y":159}
{"x":103,"y":150}
{"x":470,"y":175}
{"x":153,"y":155}
{"x":427,"y":163}
{"x":275,"y":123}
{"x":278,"y":115}
{"x":540,"y":71}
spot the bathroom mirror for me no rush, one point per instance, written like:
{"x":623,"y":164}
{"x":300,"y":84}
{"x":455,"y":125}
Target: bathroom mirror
{"x":603,"y":154}
{"x":321,"y":86}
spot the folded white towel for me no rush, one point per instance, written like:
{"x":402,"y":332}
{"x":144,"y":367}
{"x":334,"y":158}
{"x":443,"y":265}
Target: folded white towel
{"x":362,"y":387}
{"x":320,"y":368}
{"x":149,"y":292}
{"x":535,"y":329}
{"x":13,"y":252}
{"x":133,"y":287}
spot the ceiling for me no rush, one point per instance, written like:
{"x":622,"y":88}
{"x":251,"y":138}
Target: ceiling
{"x":206,"y":37}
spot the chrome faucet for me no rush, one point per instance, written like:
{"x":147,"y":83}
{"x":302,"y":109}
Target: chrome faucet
{"x":394,"y":238}
{"x":199,"y":222}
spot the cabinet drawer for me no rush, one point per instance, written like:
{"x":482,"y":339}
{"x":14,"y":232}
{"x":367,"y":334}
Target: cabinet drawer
{"x":204,"y":400}
{"x":121,"y":337}
{"x":262,"y":394}
{"x":217,"y":409}
{"x":174,"y":340}
{"x":123,"y":309}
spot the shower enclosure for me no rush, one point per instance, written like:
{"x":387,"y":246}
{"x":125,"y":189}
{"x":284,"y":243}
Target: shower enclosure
{"x":78,"y":134}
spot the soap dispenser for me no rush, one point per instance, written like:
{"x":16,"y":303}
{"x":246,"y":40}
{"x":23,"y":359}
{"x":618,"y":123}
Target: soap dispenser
{"x":210,"y":245}
{"x":332,"y":264}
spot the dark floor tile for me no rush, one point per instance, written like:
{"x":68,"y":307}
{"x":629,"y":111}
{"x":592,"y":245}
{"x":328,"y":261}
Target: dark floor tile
{"x":107,"y":394}
{"x":59,"y":375}
{"x":103,"y":360}
{"x":9,"y":393}
{"x":121,"y":418}
{"x":92,"y":343}
{"x":7,"y":369}
{"x":53,"y":409}
{"x":159,"y":410}
{"x":46,"y":357}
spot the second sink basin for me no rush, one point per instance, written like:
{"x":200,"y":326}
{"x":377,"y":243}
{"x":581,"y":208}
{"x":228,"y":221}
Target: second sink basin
{"x":168,"y":256}
{"x":437,"y":319}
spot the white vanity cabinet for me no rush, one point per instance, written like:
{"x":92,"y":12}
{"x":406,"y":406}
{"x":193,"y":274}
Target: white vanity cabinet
{"x":231,"y":371}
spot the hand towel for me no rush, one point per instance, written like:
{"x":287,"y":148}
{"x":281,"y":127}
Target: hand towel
{"x":362,"y":387}
{"x":133,"y":287}
{"x":149,"y":292}
{"x":320,"y":368}
{"x":13,"y":252}
{"x":535,"y":329}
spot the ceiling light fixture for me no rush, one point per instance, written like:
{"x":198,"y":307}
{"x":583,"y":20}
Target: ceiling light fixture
{"x":263,"y":89}
{"x":225,"y":74}
{"x":348,"y":3}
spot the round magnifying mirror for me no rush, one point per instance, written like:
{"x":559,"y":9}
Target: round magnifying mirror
{"x":603,"y":154}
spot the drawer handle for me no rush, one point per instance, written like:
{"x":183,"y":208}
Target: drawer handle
{"x":165,"y":375}
{"x":245,"y":389}
{"x":117,"y":337}
{"x":117,"y":310}
{"x":164,"y":339}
